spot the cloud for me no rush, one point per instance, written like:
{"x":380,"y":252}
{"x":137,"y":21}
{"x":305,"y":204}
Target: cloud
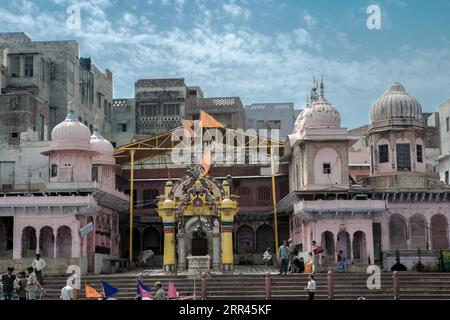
{"x":235,"y":10}
{"x":309,"y":20}
{"x":232,"y":60}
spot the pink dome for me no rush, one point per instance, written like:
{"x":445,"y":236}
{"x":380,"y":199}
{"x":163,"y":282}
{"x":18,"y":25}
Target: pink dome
{"x":299,"y":123}
{"x":322,"y":114}
{"x":71,"y":130}
{"x":103,"y":147}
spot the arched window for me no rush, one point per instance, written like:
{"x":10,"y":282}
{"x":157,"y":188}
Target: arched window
{"x":397,"y":232}
{"x":264,"y":238}
{"x":418,"y":229}
{"x":439,"y":232}
{"x":244,"y":239}
{"x":29,"y":242}
{"x":328,"y":244}
{"x":64,"y":242}
{"x":359,"y":247}
{"x":46,"y":242}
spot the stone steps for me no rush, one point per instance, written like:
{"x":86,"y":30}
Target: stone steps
{"x":249,"y":287}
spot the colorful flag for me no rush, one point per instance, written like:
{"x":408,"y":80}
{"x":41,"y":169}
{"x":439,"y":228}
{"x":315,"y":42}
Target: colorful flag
{"x":91,"y":292}
{"x":206,"y":162}
{"x":206,"y":121}
{"x":108,"y":289}
{"x":171,"y":291}
{"x":143,"y":290}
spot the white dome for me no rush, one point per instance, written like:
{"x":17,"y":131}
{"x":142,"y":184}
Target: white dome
{"x":103,"y":147}
{"x":322,"y":114}
{"x":395,"y":103}
{"x":71,"y":130}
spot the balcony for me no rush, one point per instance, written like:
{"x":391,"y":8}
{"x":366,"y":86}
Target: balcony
{"x":340,"y":208}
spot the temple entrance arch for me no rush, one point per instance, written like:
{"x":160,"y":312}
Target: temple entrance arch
{"x":151,"y":240}
{"x":198,"y":237}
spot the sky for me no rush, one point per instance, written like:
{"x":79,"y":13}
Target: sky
{"x":260,"y":50}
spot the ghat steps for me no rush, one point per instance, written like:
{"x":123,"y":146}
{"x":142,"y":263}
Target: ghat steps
{"x":251,"y":286}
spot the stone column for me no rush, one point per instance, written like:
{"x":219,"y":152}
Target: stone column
{"x":55,"y":237}
{"x":181,"y":251}
{"x":38,"y":236}
{"x":350,"y":238}
{"x":216,"y":248}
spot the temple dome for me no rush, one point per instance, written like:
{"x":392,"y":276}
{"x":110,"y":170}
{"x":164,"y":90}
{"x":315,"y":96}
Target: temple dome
{"x":395,"y":103}
{"x":322,"y":114}
{"x":103,"y":147}
{"x":71,"y":130}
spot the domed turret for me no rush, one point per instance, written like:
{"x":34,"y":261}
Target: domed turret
{"x":103,"y":147}
{"x":395,"y":104}
{"x":71,"y":130}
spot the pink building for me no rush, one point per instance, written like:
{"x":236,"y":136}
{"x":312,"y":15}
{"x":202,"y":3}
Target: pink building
{"x":401,"y":205}
{"x":75,"y":218}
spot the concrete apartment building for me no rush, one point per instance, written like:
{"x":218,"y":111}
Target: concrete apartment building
{"x":269,"y":116}
{"x":444,"y":158}
{"x":54,"y":73}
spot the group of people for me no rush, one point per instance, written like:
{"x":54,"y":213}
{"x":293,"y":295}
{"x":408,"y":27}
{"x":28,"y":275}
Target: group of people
{"x":23,"y":285}
{"x":290,"y":262}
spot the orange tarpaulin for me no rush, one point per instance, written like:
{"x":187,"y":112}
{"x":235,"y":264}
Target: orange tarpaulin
{"x":206,"y":121}
{"x":91,"y":292}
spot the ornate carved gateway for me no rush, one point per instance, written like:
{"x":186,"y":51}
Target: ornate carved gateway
{"x":197,"y":213}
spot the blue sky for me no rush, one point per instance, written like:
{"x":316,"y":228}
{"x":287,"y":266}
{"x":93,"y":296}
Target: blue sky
{"x":260,"y":50}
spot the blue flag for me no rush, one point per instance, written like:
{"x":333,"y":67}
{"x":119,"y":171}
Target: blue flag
{"x":141,"y":285}
{"x":108,"y":289}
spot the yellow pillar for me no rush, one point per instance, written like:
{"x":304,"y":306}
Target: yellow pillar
{"x":166,"y":211}
{"x":131,"y":203}
{"x":228,"y":210}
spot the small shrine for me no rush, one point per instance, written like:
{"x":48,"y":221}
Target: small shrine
{"x":198,"y":213}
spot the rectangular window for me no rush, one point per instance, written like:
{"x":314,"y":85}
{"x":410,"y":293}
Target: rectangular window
{"x":171,"y":109}
{"x":273,"y":124}
{"x":14,"y":66}
{"x":403,"y":157}
{"x":446,"y":177}
{"x":94,"y":174}
{"x":14,"y":138}
{"x":29,"y":66}
{"x":326,"y":168}
{"x":124,"y":127}
{"x":447,"y":124}
{"x":419,"y":153}
{"x":53,"y":170}
{"x":41,"y":127}
{"x":260,"y":124}
{"x":383,"y":151}
{"x":149,"y":110}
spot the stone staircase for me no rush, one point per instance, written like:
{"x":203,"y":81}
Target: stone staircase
{"x":347,"y":286}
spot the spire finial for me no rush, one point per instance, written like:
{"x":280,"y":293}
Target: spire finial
{"x":96,"y":122}
{"x":322,"y":92}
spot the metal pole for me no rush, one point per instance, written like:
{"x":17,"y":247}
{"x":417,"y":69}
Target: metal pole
{"x":131,"y":204}
{"x":274,"y":199}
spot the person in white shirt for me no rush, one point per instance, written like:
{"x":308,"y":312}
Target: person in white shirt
{"x":39,"y":264}
{"x":66,"y":293}
{"x":74,"y":283}
{"x":311,"y":287}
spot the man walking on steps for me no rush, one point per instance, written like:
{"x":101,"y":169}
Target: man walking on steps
{"x":283,"y":256}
